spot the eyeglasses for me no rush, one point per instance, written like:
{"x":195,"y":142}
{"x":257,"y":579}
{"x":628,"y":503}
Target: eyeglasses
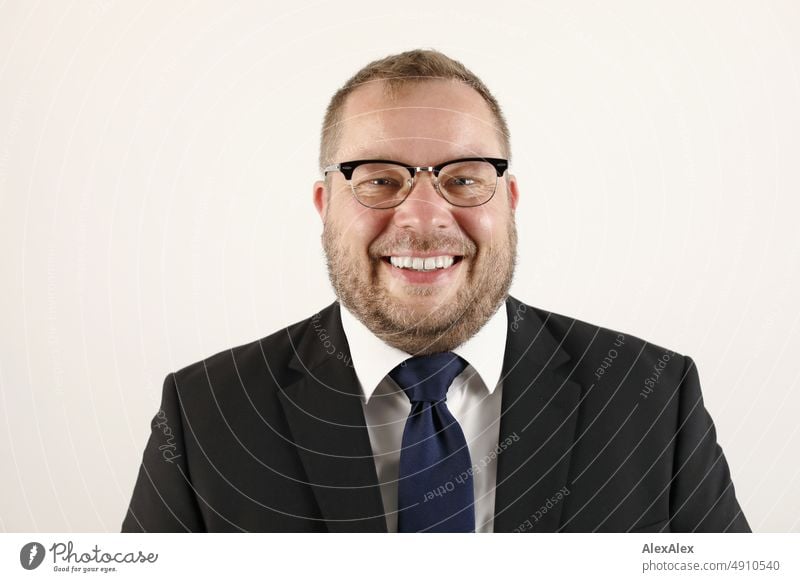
{"x":383,"y":184}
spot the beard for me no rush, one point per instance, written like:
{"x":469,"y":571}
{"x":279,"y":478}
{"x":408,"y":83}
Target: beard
{"x":450,"y":322}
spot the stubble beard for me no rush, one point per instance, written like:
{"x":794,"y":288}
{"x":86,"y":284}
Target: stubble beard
{"x":449,"y":323}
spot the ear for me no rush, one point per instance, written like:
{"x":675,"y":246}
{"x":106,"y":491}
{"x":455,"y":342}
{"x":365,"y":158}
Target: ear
{"x":321,"y":198}
{"x":513,"y":191}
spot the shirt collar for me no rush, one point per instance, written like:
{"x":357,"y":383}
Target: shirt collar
{"x":373,"y":359}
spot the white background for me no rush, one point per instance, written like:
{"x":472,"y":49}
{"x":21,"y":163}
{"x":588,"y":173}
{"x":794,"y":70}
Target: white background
{"x":156,"y":162}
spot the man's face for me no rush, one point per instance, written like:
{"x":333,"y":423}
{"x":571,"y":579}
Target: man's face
{"x":430,"y":311}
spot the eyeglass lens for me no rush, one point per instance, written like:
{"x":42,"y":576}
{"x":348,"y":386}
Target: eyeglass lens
{"x":384,"y":185}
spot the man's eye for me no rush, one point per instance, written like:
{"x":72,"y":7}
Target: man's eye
{"x":381,"y":182}
{"x":462,"y":182}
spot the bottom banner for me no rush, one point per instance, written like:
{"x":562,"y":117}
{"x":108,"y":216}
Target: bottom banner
{"x":354,"y":557}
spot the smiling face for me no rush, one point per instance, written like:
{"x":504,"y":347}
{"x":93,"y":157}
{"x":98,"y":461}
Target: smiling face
{"x":373,"y":255}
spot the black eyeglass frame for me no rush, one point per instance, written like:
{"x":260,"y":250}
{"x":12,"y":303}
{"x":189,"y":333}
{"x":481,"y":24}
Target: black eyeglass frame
{"x":347,"y":169}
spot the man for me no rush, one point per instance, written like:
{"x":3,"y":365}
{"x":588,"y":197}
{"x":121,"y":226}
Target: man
{"x":426,"y":398}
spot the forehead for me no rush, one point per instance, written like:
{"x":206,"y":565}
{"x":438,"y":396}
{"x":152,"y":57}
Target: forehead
{"x":421,"y":123}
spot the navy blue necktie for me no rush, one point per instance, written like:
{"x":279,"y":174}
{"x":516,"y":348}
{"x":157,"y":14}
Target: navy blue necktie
{"x":434,"y":492}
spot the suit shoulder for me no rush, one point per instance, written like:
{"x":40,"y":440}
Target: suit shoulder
{"x":616,"y":362}
{"x":270,"y":354}
{"x":582,"y":337}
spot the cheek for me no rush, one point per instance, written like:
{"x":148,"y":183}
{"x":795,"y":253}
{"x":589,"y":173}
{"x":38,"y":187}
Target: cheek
{"x":482,"y":226}
{"x":359,"y":227}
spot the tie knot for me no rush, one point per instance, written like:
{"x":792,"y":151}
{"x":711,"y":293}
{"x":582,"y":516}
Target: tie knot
{"x":427,"y":378}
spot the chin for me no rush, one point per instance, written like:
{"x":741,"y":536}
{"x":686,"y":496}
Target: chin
{"x":431,"y":310}
{"x":423,"y":299}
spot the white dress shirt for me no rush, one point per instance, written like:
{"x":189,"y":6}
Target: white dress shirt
{"x":474,"y":399}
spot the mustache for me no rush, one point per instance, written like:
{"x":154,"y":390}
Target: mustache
{"x":410,"y":243}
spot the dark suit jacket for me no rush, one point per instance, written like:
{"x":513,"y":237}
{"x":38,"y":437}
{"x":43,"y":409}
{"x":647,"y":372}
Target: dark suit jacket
{"x":602,"y":430}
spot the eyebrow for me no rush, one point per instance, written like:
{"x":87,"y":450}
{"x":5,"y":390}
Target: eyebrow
{"x":377,"y":156}
{"x":383,"y":155}
{"x":389,"y":158}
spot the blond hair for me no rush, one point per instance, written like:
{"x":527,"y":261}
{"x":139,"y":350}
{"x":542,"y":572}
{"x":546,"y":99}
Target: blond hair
{"x":396,"y":72}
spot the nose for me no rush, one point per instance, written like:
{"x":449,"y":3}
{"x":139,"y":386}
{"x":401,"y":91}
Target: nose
{"x":424,"y":209}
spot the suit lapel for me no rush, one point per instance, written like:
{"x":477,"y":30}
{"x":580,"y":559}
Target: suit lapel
{"x":325,"y":415}
{"x":539,"y":412}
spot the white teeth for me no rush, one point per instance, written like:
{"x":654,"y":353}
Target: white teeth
{"x":422,"y":264}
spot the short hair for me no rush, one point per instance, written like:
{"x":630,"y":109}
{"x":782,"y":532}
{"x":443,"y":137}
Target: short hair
{"x":397,"y":71}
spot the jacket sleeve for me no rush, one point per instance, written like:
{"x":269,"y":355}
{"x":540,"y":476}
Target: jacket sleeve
{"x":163,"y":498}
{"x":702,"y":496}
